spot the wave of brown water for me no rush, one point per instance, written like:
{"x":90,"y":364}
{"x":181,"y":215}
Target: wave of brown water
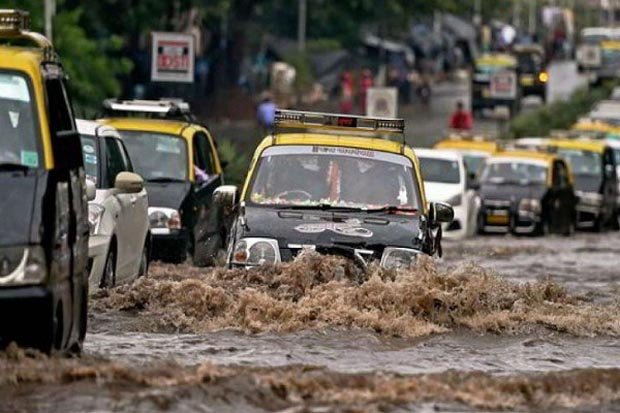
{"x":319,"y":292}
{"x":88,"y":383}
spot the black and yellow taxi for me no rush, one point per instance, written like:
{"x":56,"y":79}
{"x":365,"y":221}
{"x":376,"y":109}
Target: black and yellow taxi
{"x":44,"y":229}
{"x":527,"y":192}
{"x":494,"y":83}
{"x":596,"y":182}
{"x":531,"y":71}
{"x":333,"y":184}
{"x":178,"y":160}
{"x":475,"y":150}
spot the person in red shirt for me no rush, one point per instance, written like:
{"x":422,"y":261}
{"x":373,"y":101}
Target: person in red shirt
{"x":461,"y":119}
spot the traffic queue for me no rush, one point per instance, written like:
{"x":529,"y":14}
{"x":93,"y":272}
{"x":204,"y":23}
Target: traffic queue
{"x":88,"y":204}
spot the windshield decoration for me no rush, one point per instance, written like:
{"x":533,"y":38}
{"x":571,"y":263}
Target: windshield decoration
{"x":350,"y":228}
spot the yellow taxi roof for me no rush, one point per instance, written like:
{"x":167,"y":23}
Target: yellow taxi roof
{"x":594,"y":126}
{"x":578,"y":144}
{"x":25,"y":59}
{"x":610,"y":44}
{"x":543,"y":156}
{"x":468,"y":144}
{"x":496,"y":59}
{"x":170,"y":127}
{"x":360,"y":142}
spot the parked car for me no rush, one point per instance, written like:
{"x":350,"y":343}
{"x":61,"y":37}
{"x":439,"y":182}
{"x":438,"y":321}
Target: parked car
{"x":181,"y":168}
{"x":120,"y":239}
{"x":334,"y":189}
{"x":527,"y":192}
{"x":446,"y":180}
{"x":44,"y":227}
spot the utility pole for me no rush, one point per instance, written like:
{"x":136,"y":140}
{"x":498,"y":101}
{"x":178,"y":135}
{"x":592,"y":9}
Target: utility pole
{"x":477,"y":12}
{"x":301,"y":25}
{"x":50,"y":12}
{"x":516,"y":14}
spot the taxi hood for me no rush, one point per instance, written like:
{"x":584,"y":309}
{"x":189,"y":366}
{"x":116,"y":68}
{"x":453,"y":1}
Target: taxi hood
{"x":512,"y":192}
{"x":18,"y":203}
{"x":327,"y":228}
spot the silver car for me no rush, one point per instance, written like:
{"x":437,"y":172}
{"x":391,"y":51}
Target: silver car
{"x":120,"y":239}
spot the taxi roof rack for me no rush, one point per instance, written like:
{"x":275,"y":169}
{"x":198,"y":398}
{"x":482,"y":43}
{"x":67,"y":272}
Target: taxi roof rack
{"x":165,"y":108}
{"x":15,"y":25}
{"x":334,"y":121}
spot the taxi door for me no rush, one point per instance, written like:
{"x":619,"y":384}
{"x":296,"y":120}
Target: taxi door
{"x":208,"y":176}
{"x":70,"y":237}
{"x":562,"y":199}
{"x":610,"y":187}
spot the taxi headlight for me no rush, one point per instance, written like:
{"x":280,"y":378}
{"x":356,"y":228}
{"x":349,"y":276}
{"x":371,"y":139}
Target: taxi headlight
{"x":95,"y":214}
{"x":399,"y":258}
{"x":590,"y":198}
{"x":530,"y":205}
{"x":455,"y":200}
{"x":22,"y":266}
{"x":164,"y":218}
{"x":256,"y":251}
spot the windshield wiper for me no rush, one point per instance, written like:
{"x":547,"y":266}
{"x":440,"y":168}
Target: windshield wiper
{"x":9,"y":166}
{"x":322,"y":207}
{"x":165,"y":179}
{"x":393,"y":208}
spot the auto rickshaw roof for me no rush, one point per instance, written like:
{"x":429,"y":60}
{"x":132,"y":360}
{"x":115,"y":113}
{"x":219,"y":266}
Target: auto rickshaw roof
{"x":496,"y":59}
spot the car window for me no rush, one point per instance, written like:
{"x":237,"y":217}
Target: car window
{"x":115,"y":160}
{"x":514,"y":172}
{"x":157,"y":156}
{"x":19,"y":135}
{"x":440,"y":170}
{"x":91,"y":158}
{"x":203,"y":157}
{"x":60,"y":113}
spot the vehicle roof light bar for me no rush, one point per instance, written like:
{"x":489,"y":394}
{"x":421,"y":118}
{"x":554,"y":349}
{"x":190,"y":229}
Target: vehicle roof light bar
{"x":164,"y":108}
{"x":14,"y":21}
{"x":318,"y":120}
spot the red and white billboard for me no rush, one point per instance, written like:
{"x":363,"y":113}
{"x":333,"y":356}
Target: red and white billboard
{"x":172,"y":57}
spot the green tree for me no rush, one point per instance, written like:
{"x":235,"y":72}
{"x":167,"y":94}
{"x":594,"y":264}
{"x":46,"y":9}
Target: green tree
{"x":93,"y":65}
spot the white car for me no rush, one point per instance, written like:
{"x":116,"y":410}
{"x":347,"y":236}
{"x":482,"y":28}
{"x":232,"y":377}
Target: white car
{"x":446,"y":180}
{"x":120,"y":239}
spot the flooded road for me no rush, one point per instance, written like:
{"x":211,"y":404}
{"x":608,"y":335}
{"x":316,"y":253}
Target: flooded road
{"x":499,"y":323}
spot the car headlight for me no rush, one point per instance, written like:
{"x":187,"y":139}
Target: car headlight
{"x":95,"y":214}
{"x":455,"y":200}
{"x":530,"y":205}
{"x":22,"y":266}
{"x":395,"y":258}
{"x":164,"y":218}
{"x":256,"y":251}
{"x":590,"y":198}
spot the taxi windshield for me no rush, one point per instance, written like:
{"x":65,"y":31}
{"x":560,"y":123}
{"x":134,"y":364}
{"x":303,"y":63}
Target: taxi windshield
{"x":611,"y":56}
{"x":583,"y":163}
{"x":529,"y":62}
{"x":514,"y":172}
{"x":91,"y":158}
{"x":312,"y":176}
{"x":443,"y":171}
{"x":157,"y":156}
{"x":18,"y":122}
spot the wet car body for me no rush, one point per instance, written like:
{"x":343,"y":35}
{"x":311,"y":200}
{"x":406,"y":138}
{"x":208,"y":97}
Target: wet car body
{"x":392,"y":235}
{"x":596,"y":185}
{"x":474,"y":150}
{"x":528,"y":206}
{"x":44,"y":242}
{"x":183,"y":222}
{"x":531,"y":72}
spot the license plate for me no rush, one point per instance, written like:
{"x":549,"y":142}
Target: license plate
{"x":498,"y":219}
{"x":527,"y":80}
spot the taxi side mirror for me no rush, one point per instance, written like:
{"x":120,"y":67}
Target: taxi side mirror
{"x":225,"y":197}
{"x":91,"y":190}
{"x":129,"y":183}
{"x":440,"y":213}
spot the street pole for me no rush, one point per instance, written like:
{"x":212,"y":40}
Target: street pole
{"x":301,"y":25}
{"x":516,"y":14}
{"x":532,"y":24}
{"x":50,"y":12}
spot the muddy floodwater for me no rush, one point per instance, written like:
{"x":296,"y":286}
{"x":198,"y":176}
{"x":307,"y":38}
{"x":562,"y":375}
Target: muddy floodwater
{"x":499,"y":323}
